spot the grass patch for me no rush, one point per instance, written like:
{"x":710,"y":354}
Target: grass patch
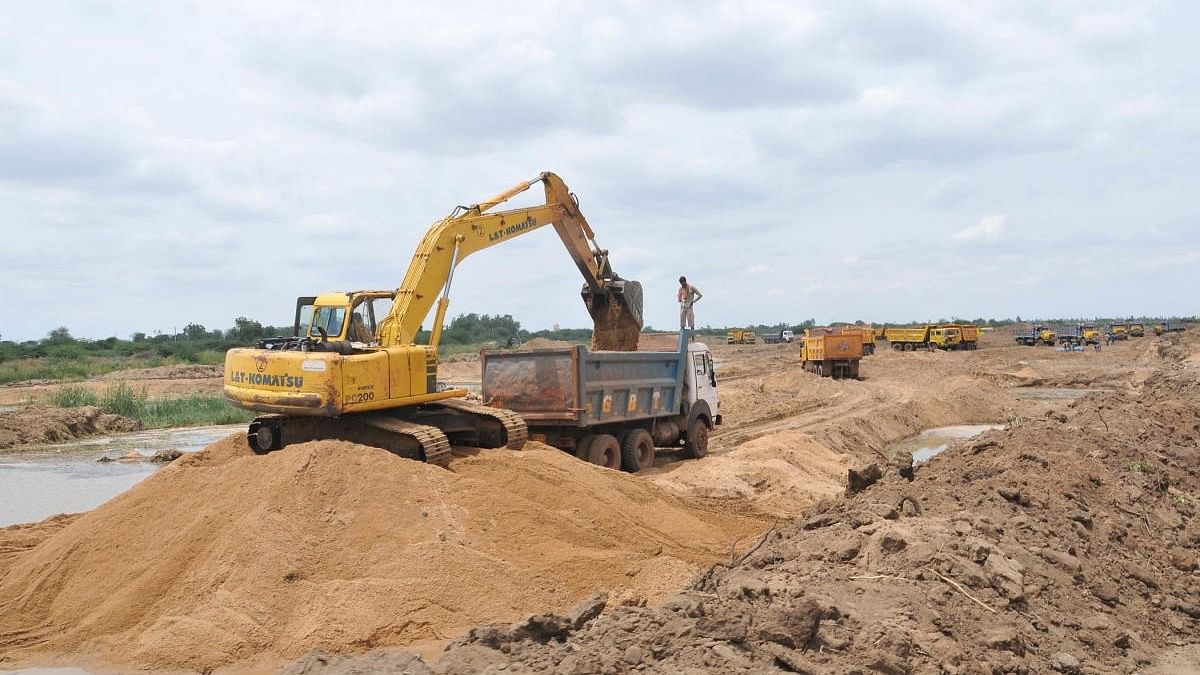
{"x":195,"y":409}
{"x":78,"y":368}
{"x":73,"y":396}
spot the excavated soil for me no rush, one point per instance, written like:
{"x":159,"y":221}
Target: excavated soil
{"x":1065,"y":543}
{"x":226,"y":555}
{"x":49,"y":424}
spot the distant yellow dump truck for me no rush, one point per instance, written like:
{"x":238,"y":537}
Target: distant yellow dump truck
{"x":1118,"y":330}
{"x":968,"y":333}
{"x":1137,"y":330}
{"x":923,"y":337}
{"x":832,"y":352}
{"x":740,"y":336}
{"x":867,"y":333}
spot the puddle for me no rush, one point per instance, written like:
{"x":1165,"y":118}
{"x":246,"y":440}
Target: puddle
{"x":41,"y":481}
{"x":932,"y":442}
{"x":1054,"y":393}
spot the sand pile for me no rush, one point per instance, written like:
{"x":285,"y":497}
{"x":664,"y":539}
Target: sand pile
{"x":1066,"y":544}
{"x":226,"y":555}
{"x":37,"y":424}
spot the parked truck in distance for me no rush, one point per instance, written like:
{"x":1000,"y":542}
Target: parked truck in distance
{"x":1118,"y":330}
{"x":609,"y":408}
{"x":832,"y":352}
{"x":923,"y":337}
{"x":778,"y":337}
{"x":1168,"y":327}
{"x":867,"y":334}
{"x":1039,"y":335}
{"x":740,"y":336}
{"x":1137,"y":329}
{"x":968,"y":334}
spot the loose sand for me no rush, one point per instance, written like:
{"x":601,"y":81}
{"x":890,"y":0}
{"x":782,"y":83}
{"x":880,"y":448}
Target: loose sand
{"x":226,"y":555}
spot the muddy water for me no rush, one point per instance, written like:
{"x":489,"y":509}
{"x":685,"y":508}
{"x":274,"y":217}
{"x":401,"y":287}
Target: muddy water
{"x":932,"y":442}
{"x":38,"y":482}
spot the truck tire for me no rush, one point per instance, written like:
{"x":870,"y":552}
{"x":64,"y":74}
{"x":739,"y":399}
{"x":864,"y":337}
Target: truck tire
{"x":582,"y":444}
{"x":696,"y":446}
{"x":605,"y":451}
{"x":637,"y":450}
{"x":908,"y":346}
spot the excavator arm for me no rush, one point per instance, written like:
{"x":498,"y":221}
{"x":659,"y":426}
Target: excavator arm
{"x":615,"y":304}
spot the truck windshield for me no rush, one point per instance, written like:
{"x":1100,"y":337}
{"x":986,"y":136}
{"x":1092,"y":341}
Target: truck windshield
{"x":330,"y":319}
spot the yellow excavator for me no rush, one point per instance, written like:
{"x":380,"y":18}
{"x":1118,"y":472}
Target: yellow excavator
{"x":351,"y":369}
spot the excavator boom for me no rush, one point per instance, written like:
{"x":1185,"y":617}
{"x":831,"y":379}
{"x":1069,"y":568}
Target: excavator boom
{"x":615,"y":304}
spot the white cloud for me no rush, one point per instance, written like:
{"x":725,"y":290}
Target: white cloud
{"x":989,"y":228}
{"x":777,"y":137}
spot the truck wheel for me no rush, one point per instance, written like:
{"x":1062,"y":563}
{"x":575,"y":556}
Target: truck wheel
{"x":697,"y":440}
{"x":605,"y":451}
{"x":637,"y":450}
{"x":582,"y":444}
{"x":908,"y":346}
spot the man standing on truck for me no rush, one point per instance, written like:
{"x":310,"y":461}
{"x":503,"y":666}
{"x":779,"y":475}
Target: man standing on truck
{"x":688,"y":296}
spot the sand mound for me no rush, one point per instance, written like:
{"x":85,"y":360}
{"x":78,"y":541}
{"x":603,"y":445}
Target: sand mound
{"x":226,"y":555}
{"x":544,"y":343}
{"x":48,"y":424}
{"x":1066,"y":544}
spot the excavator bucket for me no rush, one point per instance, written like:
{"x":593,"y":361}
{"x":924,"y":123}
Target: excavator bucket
{"x":616,"y":315}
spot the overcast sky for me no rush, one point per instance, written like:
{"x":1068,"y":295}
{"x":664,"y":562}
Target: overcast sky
{"x":162,"y":163}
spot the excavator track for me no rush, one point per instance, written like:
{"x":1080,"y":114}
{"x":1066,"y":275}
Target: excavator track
{"x":407,"y":439}
{"x":434,"y":444}
{"x":422,"y":433}
{"x":516,"y":432}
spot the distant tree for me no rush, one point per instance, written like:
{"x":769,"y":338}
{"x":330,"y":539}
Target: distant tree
{"x":194,"y":331}
{"x":138,"y":337}
{"x":244,"y":331}
{"x":59,"y":336}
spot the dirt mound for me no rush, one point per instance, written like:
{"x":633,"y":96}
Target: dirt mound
{"x":543,"y":343}
{"x":225,"y":555}
{"x":48,"y":424}
{"x":1067,"y":543}
{"x":165,"y":373}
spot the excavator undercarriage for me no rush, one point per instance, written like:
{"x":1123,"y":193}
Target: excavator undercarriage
{"x":424,"y":433}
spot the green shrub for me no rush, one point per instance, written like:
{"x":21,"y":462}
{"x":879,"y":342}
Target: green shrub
{"x":122,"y":399}
{"x":73,"y":396}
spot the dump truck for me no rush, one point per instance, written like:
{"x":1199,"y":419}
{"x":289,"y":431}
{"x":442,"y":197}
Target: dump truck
{"x":923,"y":337}
{"x":778,"y":337}
{"x":1168,"y":327}
{"x":1040,"y":335}
{"x":609,"y":408}
{"x":740,"y":336}
{"x":1137,"y":330}
{"x":1088,"y":333}
{"x":1118,"y":330}
{"x":866,"y":333}
{"x":968,"y":332}
{"x":832,"y":352}
{"x":353,"y":370}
